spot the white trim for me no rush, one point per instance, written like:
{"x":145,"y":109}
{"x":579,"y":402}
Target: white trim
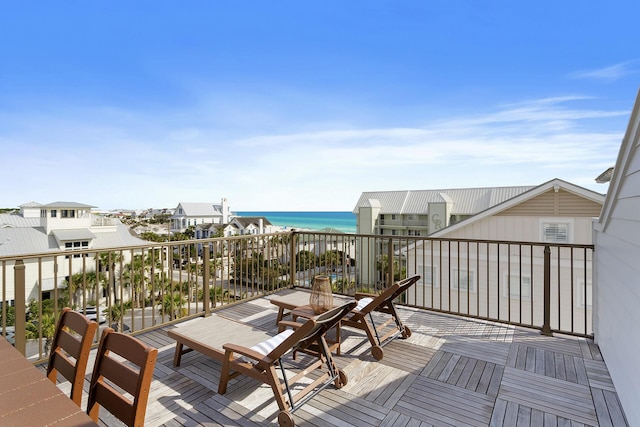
{"x":569,"y":222}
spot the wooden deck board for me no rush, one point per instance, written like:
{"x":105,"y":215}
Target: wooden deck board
{"x":452,"y":371}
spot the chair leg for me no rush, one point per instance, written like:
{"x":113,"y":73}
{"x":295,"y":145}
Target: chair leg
{"x":224,"y":375}
{"x":274,"y":382}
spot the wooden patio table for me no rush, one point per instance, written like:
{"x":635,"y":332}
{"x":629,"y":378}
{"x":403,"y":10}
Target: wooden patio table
{"x":29,"y":398}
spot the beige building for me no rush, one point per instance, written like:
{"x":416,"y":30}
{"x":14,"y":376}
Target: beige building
{"x":505,"y":281}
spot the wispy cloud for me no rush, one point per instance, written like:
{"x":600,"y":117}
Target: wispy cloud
{"x":608,"y":74}
{"x":160,"y":161}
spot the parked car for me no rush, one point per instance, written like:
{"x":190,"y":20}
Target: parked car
{"x":92,"y":314}
{"x":11,"y":334}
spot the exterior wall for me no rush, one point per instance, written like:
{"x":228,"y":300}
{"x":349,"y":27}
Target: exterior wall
{"x":617,"y":273}
{"x":556,"y":203}
{"x":523,"y":229}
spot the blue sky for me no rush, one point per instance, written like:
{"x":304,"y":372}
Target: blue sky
{"x":291,"y":105}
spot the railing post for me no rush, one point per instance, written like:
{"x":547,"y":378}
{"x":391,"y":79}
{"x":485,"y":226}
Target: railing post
{"x":292,"y":258}
{"x":389,"y":281}
{"x":20,"y":306}
{"x":206,"y":295}
{"x":546,"y":326}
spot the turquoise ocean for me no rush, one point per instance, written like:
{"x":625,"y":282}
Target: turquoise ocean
{"x":343,"y":221}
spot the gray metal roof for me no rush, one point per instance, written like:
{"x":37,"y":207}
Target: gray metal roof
{"x":73,"y":205}
{"x":30,"y":239}
{"x":466,"y":201}
{"x":198,"y":210}
{"x":73,"y":234}
{"x":18,"y":221}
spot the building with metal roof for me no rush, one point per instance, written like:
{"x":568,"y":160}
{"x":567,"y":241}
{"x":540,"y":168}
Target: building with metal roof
{"x":69,"y":226}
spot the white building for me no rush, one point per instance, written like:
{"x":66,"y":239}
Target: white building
{"x":66,"y":226}
{"x":192,"y":214}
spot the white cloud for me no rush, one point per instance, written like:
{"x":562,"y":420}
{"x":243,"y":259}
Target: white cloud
{"x":158,"y":161}
{"x":609,"y":74}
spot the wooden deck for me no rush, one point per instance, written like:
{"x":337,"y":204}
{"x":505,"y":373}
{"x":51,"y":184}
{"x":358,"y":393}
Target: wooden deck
{"x":452,"y":371}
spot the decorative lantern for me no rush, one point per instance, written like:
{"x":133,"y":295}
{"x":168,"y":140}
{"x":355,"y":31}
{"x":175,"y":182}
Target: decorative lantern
{"x":321,"y":298}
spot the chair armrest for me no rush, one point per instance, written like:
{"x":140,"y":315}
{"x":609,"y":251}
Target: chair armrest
{"x":283,"y":324}
{"x":243,"y":351}
{"x":360,"y":295}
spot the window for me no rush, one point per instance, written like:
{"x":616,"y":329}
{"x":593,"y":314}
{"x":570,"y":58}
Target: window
{"x":463,"y":280}
{"x":75,"y":246}
{"x":554,"y":231}
{"x":67,"y":213}
{"x":517,"y":287}
{"x":429,"y":276}
{"x":580,"y":294}
{"x":393,"y":217}
{"x":54,"y":213}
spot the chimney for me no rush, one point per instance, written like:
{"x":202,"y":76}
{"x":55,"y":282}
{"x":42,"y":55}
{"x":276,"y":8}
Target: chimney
{"x":225,"y":211}
{"x":261,"y":226}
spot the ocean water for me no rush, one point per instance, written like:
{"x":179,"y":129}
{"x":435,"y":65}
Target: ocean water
{"x":343,"y":221}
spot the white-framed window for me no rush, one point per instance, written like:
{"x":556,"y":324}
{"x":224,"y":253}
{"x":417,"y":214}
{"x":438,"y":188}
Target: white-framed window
{"x":463,"y":280}
{"x":517,"y":286}
{"x":556,"y":230}
{"x":581,"y":298}
{"x":76,"y":246}
{"x":429,"y":276}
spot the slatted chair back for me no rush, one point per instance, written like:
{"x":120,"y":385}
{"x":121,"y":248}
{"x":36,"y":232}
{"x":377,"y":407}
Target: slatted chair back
{"x":70,"y":349}
{"x":124,"y":365}
{"x":381,"y":333}
{"x":260,"y":361}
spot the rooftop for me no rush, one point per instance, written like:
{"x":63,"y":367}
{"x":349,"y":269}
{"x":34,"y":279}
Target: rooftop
{"x":450,"y":371}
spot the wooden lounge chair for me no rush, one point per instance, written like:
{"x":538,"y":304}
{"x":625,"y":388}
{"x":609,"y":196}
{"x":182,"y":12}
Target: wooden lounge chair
{"x":261,"y":361}
{"x":380,"y":334}
{"x":70,"y":350}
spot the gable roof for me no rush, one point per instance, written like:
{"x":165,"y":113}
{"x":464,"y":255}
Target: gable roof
{"x":197,"y":209}
{"x":246,"y":221}
{"x":466,"y":201}
{"x":521,"y":198}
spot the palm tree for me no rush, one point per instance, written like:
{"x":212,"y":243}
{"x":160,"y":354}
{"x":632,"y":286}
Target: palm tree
{"x":173,"y":304}
{"x":116,"y":313}
{"x":48,"y":324}
{"x":108,"y":262}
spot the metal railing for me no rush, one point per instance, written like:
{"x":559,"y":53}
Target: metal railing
{"x":543,"y":286}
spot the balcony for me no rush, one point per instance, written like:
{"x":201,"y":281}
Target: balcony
{"x":501,"y":330}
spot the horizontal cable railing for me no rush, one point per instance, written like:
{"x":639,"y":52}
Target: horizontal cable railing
{"x":134,"y":288}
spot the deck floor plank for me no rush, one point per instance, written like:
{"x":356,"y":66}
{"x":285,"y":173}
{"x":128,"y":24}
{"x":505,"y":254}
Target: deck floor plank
{"x":452,"y":371}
